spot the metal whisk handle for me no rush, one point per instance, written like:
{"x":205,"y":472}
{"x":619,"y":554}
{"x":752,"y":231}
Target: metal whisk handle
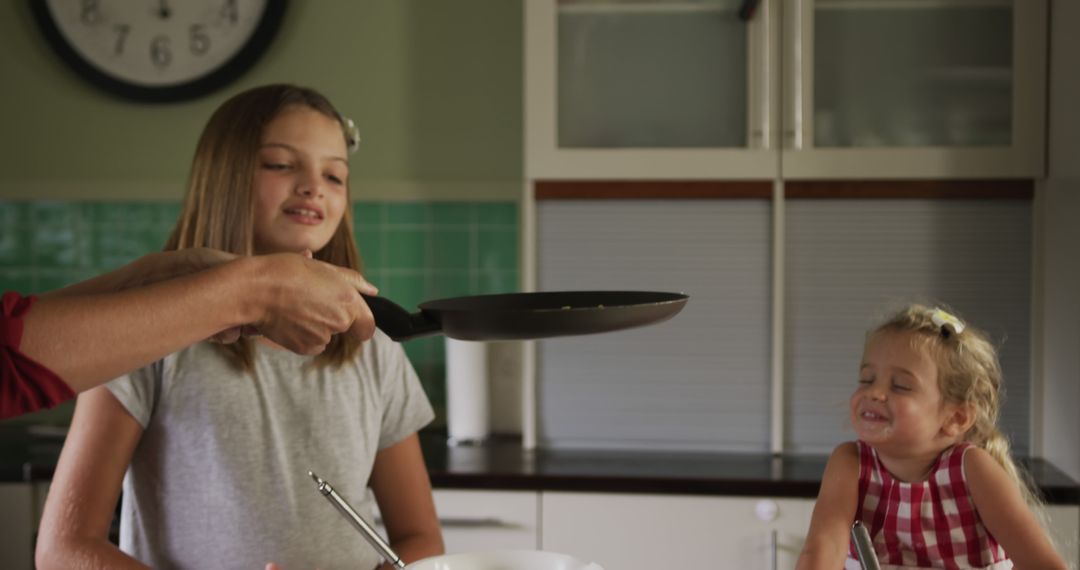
{"x":864,"y":548}
{"x":357,"y":521}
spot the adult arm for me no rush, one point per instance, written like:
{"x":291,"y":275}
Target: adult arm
{"x":1006,"y":515}
{"x":88,"y":337}
{"x":82,"y":498}
{"x":827,"y":541}
{"x":148,"y":269}
{"x":402,"y":489}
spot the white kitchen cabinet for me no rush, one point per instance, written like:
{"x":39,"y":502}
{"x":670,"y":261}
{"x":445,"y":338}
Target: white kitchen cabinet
{"x":1065,"y":529}
{"x":803,"y":89}
{"x":914,"y":88}
{"x":648,"y":90}
{"x":488,"y":520}
{"x":473,"y":520}
{"x":17,"y":526}
{"x":645,"y":532}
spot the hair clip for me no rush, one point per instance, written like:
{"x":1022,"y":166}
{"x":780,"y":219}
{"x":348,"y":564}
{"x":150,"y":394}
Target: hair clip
{"x":352,"y":134}
{"x":947,"y":322}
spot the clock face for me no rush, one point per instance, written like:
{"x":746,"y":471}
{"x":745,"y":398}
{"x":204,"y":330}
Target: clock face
{"x":162,"y":49}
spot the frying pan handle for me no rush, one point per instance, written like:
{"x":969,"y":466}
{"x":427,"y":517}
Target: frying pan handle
{"x":398,"y":323}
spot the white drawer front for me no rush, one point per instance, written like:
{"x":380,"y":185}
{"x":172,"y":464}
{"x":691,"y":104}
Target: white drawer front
{"x":487,"y":520}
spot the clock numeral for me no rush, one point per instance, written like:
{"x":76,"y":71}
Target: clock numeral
{"x":163,"y":10}
{"x":122,"y":31}
{"x":89,"y":13}
{"x":160,"y":54}
{"x":200,"y":42}
{"x":230,"y":11}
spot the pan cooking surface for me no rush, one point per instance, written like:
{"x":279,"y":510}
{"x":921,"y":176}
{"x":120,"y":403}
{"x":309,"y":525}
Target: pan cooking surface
{"x":553,"y":301}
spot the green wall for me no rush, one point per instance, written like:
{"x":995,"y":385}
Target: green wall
{"x":435,"y":87}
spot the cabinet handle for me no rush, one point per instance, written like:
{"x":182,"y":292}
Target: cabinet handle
{"x":795,"y":16}
{"x":466,"y":522}
{"x":760,"y":40}
{"x":747,"y":9}
{"x":774,"y":549}
{"x":463,"y":522}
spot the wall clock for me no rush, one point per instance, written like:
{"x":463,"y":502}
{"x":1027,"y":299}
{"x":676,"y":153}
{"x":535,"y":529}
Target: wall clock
{"x":160,"y":50}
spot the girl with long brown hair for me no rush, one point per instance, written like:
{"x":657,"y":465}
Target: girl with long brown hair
{"x":212,"y":445}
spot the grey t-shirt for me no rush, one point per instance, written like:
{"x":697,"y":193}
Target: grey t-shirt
{"x":219,"y":478}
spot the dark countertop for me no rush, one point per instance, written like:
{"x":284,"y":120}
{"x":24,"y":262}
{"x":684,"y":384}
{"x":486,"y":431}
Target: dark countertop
{"x":502,"y":464}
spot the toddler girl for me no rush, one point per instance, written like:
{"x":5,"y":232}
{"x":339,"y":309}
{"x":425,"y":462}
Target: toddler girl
{"x":930,"y":475}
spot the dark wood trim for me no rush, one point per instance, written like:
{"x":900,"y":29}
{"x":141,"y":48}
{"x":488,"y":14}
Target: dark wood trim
{"x":651,"y":190}
{"x":794,"y":189}
{"x":901,"y":189}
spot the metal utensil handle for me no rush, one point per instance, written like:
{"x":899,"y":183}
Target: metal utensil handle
{"x":864,"y":548}
{"x":357,"y":521}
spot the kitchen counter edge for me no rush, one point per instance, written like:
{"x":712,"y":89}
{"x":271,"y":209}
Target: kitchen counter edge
{"x":502,"y":464}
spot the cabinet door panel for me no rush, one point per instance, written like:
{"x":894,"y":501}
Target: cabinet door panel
{"x":652,"y":76}
{"x":712,"y":361}
{"x":17,"y":526}
{"x":487,"y":520}
{"x":1065,"y":529}
{"x":914,"y":88}
{"x":650,"y":90}
{"x":645,"y":532}
{"x":875,"y":86}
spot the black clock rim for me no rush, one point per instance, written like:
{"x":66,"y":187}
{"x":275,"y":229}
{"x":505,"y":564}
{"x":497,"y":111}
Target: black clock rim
{"x":265,"y":31}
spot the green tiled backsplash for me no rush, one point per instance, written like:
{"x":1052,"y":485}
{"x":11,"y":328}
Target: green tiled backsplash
{"x":412,"y":251}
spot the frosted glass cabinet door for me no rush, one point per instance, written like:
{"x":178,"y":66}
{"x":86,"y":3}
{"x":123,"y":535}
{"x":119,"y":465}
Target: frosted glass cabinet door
{"x":963,"y":77}
{"x":912,"y":74}
{"x":648,"y":84}
{"x":652,"y":74}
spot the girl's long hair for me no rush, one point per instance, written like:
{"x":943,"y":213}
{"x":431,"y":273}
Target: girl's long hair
{"x":219,"y":205}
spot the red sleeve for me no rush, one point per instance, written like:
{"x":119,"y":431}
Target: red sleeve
{"x":25,"y":385}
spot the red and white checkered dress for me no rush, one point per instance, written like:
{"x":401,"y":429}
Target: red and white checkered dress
{"x":926,"y":524}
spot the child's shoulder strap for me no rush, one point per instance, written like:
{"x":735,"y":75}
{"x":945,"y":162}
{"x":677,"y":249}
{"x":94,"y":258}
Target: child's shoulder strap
{"x":953,"y":457}
{"x":867,"y":458}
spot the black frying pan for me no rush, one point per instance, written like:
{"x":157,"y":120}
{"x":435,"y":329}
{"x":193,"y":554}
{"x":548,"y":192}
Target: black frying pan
{"x":521,"y":316}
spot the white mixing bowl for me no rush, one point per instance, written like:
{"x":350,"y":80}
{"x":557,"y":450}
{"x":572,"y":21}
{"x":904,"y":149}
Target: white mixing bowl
{"x":503,"y":560}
